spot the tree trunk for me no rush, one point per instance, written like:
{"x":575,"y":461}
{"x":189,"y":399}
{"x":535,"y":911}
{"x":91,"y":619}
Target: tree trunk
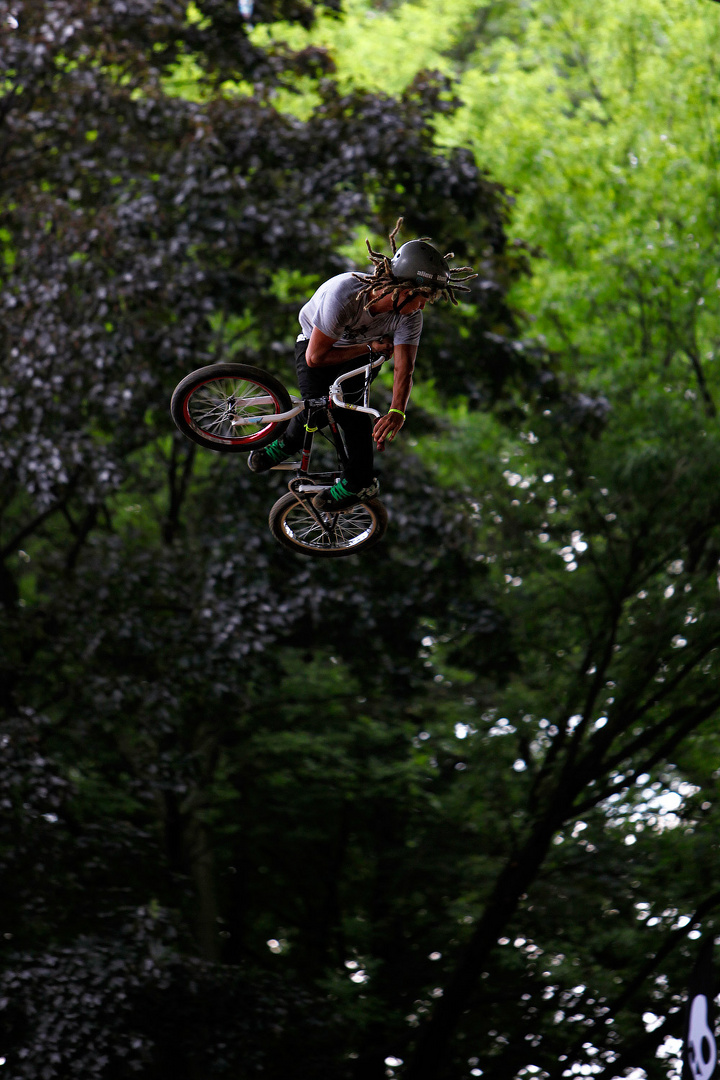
{"x":514,"y":880}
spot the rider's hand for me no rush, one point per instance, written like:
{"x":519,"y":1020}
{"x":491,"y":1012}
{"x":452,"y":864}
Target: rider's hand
{"x":387,"y":427}
{"x":383,"y":346}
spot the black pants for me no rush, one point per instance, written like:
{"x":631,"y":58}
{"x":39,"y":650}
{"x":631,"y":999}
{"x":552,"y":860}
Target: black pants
{"x":356,"y":427}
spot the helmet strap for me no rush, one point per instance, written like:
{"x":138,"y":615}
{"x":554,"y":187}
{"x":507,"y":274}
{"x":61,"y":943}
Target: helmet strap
{"x":410,"y":296}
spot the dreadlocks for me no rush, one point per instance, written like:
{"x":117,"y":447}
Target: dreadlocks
{"x":382,"y":281}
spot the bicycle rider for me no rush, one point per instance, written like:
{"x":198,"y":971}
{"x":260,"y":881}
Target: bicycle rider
{"x":338,"y":325}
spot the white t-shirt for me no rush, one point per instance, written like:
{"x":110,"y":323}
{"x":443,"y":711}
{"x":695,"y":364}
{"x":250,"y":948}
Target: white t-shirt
{"x":337,"y":312}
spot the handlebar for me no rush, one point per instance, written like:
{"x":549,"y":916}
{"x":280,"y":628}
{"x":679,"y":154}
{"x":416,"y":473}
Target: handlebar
{"x":336,"y":395}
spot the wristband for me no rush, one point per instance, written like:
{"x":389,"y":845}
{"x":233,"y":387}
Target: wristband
{"x":398,"y":411}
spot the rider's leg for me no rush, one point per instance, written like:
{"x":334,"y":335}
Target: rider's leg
{"x":358,"y":483}
{"x":291,"y":441}
{"x":358,"y":480}
{"x":312,"y":383}
{"x":356,"y":427}
{"x":357,"y":433}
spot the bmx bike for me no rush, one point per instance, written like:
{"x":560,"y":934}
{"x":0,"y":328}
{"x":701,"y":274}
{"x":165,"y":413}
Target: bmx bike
{"x":235,"y":408}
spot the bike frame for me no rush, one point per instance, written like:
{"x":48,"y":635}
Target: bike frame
{"x":335,"y":394}
{"x":306,"y":484}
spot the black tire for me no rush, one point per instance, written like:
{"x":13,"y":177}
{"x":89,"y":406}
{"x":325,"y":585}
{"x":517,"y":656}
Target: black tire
{"x":357,"y":529}
{"x":207,"y":400}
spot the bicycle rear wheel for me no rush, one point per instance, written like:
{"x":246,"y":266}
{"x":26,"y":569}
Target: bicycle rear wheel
{"x":209,"y":403}
{"x":356,"y":529}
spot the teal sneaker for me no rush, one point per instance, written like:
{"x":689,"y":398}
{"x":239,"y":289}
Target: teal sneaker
{"x":341,"y":496}
{"x":272,"y":454}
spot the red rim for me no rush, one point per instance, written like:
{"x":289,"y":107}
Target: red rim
{"x":244,"y":440}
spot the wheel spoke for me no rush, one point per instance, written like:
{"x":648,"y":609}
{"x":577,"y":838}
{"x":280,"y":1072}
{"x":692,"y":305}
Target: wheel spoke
{"x":214,"y":405}
{"x":346,"y":530}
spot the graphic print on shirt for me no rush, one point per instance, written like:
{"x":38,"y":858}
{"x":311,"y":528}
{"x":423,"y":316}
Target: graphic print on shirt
{"x":353,"y":334}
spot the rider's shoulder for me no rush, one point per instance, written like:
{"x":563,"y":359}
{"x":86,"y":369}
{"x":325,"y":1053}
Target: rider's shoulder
{"x":341,"y":283}
{"x":339,"y":292}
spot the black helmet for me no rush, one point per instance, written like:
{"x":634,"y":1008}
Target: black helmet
{"x":421,"y":263}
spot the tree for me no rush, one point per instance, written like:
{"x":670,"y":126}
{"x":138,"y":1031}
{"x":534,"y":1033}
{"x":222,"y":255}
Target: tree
{"x":144,"y":233}
{"x":601,"y":122}
{"x":441,"y":810}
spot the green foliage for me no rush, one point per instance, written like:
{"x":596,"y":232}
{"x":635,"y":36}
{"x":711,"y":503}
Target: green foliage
{"x":452,"y":804}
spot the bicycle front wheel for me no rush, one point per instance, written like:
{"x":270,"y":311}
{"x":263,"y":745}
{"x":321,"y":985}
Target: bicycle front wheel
{"x":356,"y":529}
{"x":221,"y":406}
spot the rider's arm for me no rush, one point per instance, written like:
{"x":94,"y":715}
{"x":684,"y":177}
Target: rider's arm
{"x":321,"y":351}
{"x":389,"y":425}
